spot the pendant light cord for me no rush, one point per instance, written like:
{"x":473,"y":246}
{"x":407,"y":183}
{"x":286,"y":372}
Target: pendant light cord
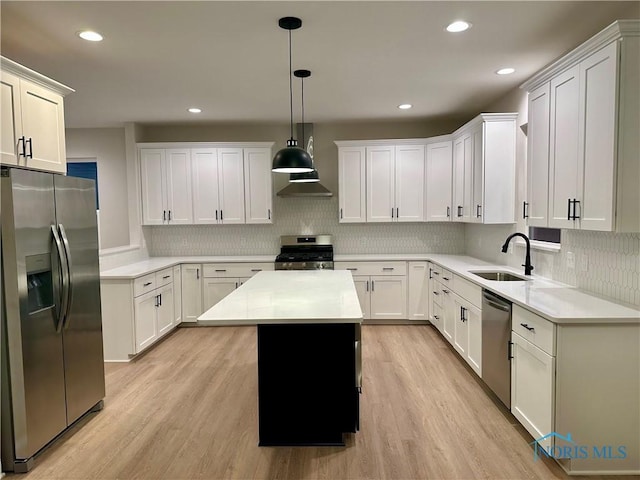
{"x":290,"y":88}
{"x":304,"y":146}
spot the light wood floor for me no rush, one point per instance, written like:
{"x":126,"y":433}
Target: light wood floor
{"x":188,"y":410}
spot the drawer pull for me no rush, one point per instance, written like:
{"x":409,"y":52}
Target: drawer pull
{"x":352,"y":269}
{"x":436,"y":293}
{"x":387,"y":268}
{"x":436,"y":273}
{"x":436,"y":317}
{"x":256,"y":269}
{"x":531,"y":329}
{"x":445,"y":291}
{"x":223,"y":270}
{"x":166,"y":276}
{"x":445,"y":278}
{"x":147,"y":284}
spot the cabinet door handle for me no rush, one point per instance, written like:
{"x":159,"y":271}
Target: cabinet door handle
{"x":146,"y":284}
{"x":436,"y":317}
{"x":397,"y":212}
{"x":221,"y":217}
{"x":269,"y":214}
{"x":236,"y":284}
{"x":373,"y":285}
{"x":459,"y":210}
{"x":164,"y":215}
{"x":367,"y":287}
{"x":531,"y":329}
{"x":448,"y":212}
{"x":24,"y":147}
{"x":340,"y":214}
{"x":157,"y":304}
{"x":30,"y":142}
{"x":221,"y":270}
{"x":478,"y":207}
{"x":169,"y":215}
{"x":568,"y":209}
{"x":524,"y":209}
{"x":461,"y":314}
{"x":160,"y":300}
{"x":197,"y":274}
{"x":216,"y":215}
{"x":391,"y":212}
{"x":430,"y":277}
{"x":166,"y":276}
{"x":509,"y":350}
{"x":575,"y":202}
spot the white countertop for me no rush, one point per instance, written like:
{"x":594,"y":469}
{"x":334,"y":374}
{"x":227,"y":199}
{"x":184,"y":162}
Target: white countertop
{"x":319,"y":296}
{"x":555,"y":301}
{"x":154,"y":264}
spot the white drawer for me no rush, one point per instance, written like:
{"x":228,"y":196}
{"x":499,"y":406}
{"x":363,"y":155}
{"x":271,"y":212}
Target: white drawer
{"x":163,"y":277}
{"x":532,"y":327}
{"x":144,"y":284}
{"x":373,"y":268}
{"x":234,"y":270}
{"x":471,"y":292}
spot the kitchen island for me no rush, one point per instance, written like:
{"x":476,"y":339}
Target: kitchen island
{"x":309,"y":374}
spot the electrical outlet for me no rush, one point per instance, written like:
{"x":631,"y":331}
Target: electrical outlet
{"x":584,"y":262}
{"x":571,"y":260}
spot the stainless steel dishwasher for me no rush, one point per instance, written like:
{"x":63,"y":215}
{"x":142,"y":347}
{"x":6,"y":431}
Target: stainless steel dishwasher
{"x":496,"y":337}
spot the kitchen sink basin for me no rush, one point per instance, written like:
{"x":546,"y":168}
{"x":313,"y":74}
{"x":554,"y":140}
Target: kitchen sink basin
{"x":500,"y":276}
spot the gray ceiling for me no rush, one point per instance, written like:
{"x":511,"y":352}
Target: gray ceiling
{"x":231,"y":58}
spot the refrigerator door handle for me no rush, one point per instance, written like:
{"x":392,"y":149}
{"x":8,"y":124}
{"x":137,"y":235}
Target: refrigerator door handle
{"x":67,"y":249}
{"x":62,"y":301}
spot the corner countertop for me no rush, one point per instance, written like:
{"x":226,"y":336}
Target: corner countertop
{"x":153,"y":264}
{"x":555,"y":301}
{"x":289,"y":297}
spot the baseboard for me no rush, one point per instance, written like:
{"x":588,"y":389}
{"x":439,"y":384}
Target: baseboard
{"x":376,"y":321}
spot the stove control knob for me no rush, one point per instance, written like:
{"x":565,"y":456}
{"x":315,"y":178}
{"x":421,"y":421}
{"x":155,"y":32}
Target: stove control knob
{"x":321,"y":266}
{"x":304,"y":264}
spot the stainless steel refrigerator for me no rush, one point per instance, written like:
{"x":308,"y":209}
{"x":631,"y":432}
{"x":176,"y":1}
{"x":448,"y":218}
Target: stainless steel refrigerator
{"x":52,"y":360}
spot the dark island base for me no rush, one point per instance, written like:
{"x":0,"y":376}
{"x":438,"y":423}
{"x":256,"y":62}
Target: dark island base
{"x":307,"y":388}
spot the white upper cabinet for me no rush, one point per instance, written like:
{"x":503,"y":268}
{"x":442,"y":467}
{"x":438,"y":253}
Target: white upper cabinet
{"x":438,"y":182}
{"x":409,"y":183}
{"x":258,"y":190}
{"x":381,"y":181}
{"x":484,"y":159}
{"x":594,"y":119}
{"x":352,"y":185}
{"x":195,"y":183}
{"x":380,"y":184}
{"x":535,"y":207}
{"x":166,"y":186}
{"x":32,"y":114}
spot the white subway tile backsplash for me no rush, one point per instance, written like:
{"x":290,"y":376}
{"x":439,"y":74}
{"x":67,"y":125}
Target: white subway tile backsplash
{"x":613,"y":259}
{"x":305,"y":216}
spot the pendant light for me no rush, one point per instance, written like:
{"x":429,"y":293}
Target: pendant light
{"x":311,"y":176}
{"x":291,"y":159}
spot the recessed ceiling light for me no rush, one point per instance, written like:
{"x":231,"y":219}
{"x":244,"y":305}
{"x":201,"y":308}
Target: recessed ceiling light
{"x":90,"y":35}
{"x":405,"y":106}
{"x":506,"y":71}
{"x":458,"y":26}
{"x":195,"y":110}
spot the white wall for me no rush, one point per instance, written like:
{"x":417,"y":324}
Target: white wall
{"x":607,"y":264}
{"x":107,"y":146}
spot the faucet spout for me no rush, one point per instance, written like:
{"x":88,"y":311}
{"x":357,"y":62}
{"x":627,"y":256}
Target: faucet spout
{"x":527,"y":261}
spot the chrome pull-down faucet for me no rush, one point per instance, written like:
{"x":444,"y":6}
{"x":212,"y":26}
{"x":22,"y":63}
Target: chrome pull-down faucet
{"x":527,"y":261}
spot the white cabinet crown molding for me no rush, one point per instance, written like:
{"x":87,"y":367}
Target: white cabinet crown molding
{"x":484,"y":117}
{"x":615,"y":31}
{"x":205,"y":144}
{"x":10,"y":66}
{"x":392,"y":142}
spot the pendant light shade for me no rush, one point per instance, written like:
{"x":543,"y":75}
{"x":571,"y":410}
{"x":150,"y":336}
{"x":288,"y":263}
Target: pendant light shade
{"x":312,"y":176}
{"x":291,"y":159}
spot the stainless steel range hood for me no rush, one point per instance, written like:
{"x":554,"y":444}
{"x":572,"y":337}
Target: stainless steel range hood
{"x":308,"y":189}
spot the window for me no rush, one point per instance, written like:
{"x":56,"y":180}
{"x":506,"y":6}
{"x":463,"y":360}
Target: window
{"x":85,"y":170}
{"x":551,"y":235}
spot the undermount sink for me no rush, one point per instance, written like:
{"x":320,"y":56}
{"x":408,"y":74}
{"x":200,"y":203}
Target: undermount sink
{"x":501,"y":276}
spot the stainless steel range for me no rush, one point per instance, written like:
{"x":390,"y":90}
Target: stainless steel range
{"x":305,"y":252}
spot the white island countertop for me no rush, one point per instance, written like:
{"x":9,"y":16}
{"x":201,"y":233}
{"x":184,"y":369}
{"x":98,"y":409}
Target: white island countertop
{"x":289,"y":296}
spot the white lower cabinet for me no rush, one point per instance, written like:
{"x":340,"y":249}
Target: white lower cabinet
{"x":533,"y":388}
{"x":418,"y":291}
{"x":191,"y":292}
{"x":220,"y":279}
{"x":381,"y":288}
{"x":136,"y":313}
{"x":467,"y":332}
